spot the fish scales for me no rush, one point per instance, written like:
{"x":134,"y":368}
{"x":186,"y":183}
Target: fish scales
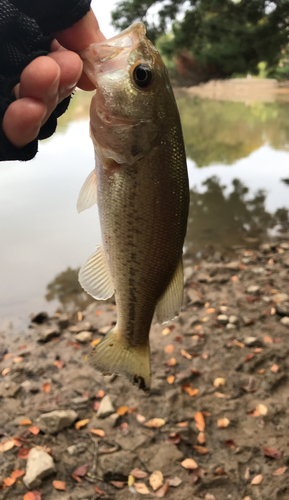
{"x":142,"y":196}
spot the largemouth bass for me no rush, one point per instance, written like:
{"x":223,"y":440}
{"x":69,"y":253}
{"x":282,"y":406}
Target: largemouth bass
{"x":141,"y":185}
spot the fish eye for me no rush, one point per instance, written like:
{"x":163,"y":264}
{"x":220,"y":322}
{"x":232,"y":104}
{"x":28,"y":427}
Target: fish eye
{"x":142,"y":75}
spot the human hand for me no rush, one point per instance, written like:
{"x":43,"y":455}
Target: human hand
{"x":47,"y":80}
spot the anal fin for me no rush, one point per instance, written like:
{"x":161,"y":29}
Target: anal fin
{"x":94,"y":276}
{"x":170,"y":303}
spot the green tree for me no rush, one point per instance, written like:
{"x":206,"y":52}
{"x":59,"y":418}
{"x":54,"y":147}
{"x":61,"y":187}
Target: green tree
{"x":232,"y":36}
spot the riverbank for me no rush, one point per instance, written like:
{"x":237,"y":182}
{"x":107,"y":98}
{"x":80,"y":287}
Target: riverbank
{"x":219,"y":396}
{"x":243,"y":90}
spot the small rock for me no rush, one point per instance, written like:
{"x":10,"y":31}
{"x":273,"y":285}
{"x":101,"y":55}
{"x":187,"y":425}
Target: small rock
{"x":251,"y":341}
{"x":40,"y":318}
{"x":285,"y":321}
{"x":80,"y":403}
{"x":112,"y":420}
{"x":120,"y":462}
{"x":164,"y":454}
{"x":196,"y":299}
{"x":258,"y":270}
{"x":84,"y":337}
{"x":105,"y":408}
{"x":234,"y":265}
{"x":253,"y":289}
{"x":283,"y":309}
{"x":231,"y":326}
{"x":55,"y":421}
{"x":46,"y":334}
{"x":284,"y":246}
{"x":265,"y":247}
{"x":39,"y":465}
{"x":9,"y":389}
{"x":76,"y":449}
{"x":280,"y":297}
{"x":63,"y":321}
{"x":233,"y":319}
{"x":223,"y":319}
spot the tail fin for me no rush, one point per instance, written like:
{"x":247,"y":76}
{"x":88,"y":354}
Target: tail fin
{"x":114,"y":355}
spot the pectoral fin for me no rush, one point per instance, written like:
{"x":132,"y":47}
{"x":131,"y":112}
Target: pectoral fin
{"x":88,"y":193}
{"x":169,"y":304}
{"x":94,"y":276}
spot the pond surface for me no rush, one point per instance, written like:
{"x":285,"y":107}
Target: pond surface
{"x":238,"y":162}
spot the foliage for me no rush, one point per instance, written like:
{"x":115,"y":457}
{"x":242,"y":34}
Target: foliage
{"x":233,"y":36}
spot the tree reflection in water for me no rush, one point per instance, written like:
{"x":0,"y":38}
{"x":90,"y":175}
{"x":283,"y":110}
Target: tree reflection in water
{"x":66,"y":289}
{"x":223,"y":220}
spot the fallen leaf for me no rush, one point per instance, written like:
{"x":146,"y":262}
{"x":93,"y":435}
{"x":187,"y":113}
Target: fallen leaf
{"x":5,"y":371}
{"x":162,"y":491}
{"x":18,"y":359}
{"x":17,"y":441}
{"x":32,"y":495}
{"x":59,"y":485}
{"x":118,"y":484}
{"x":97,"y":432}
{"x":59,"y":363}
{"x":156,"y":480}
{"x":25,"y":421}
{"x":6,"y":445}
{"x":200,"y":449}
{"x":81,"y":471}
{"x":170,"y":379}
{"x":171,"y":362}
{"x":219,"y":382}
{"x":169,"y":349}
{"x":130,"y":480}
{"x":230,"y":443}
{"x":187,"y":388}
{"x":166,"y":331}
{"x":76,"y":478}
{"x":8,"y":481}
{"x":132,"y":409}
{"x":219,"y":472}
{"x":280,"y":471}
{"x":239,"y":344}
{"x":189,"y":463}
{"x":223,"y":422}
{"x":174,"y":482}
{"x":199,"y":421}
{"x":257,"y":479}
{"x":34,"y":430}
{"x":122,"y":410}
{"x":175,"y":438}
{"x":138,"y":473}
{"x":79,"y":316}
{"x":74,"y":344}
{"x":271,"y":452}
{"x":140,"y":418}
{"x":247,"y":474}
{"x":100,"y":394}
{"x":98,"y":490}
{"x":95,"y":342}
{"x":274,"y":368}
{"x":95,"y":405}
{"x":23,"y":453}
{"x":267,"y":339}
{"x":183,"y":424}
{"x":17,"y":473}
{"x":211,"y":310}
{"x":46,"y":387}
{"x":141,"y":488}
{"x":155,"y":423}
{"x":81,"y":423}
{"x":261,"y":371}
{"x":201,"y":438}
{"x":210,"y":496}
{"x":262,"y":409}
{"x":234,"y":278}
{"x":185,"y":354}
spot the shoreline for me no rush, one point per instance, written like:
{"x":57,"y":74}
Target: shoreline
{"x":224,"y":356}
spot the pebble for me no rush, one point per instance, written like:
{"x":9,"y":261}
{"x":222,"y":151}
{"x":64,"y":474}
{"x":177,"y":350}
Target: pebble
{"x":282,"y":309}
{"x":223,"y":319}
{"x":76,"y":449}
{"x":159,"y":453}
{"x":46,"y":334}
{"x":9,"y":389}
{"x":195,"y":297}
{"x":63,"y":321}
{"x":285,"y":321}
{"x":251,"y":341}
{"x":55,"y":421}
{"x":231,"y":326}
{"x":284,"y":246}
{"x":84,"y":337}
{"x":39,"y":465}
{"x":280,"y":297}
{"x":80,"y":403}
{"x":105,"y":408}
{"x":253,"y":289}
{"x":234,"y":265}
{"x":120,"y":462}
{"x":258,"y":270}
{"x":233,"y":319}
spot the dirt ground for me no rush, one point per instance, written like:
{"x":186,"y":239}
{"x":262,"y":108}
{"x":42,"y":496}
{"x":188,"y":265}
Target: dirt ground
{"x":219,"y":382}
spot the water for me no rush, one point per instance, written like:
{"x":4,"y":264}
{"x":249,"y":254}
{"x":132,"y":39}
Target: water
{"x":238,"y":161}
